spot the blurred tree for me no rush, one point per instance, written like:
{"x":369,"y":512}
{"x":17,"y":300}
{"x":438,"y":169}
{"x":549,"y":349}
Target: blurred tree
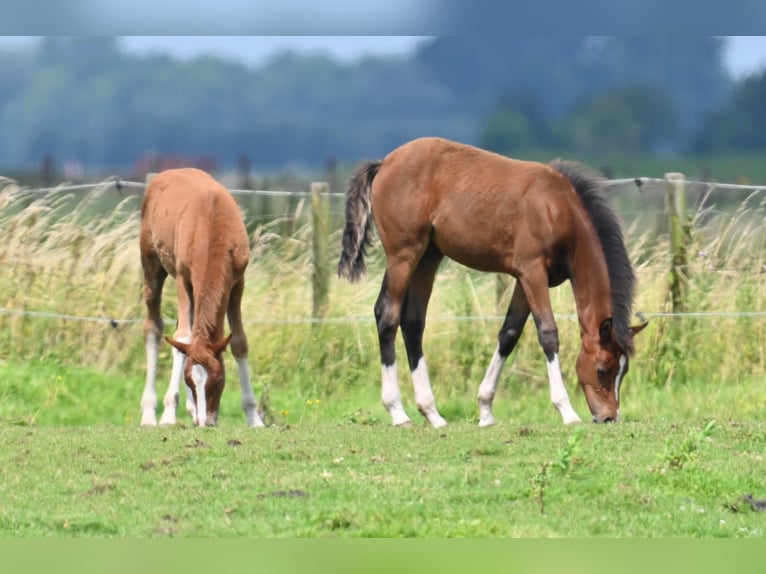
{"x":85,"y":99}
{"x":738,"y":124}
{"x":517,"y":124}
{"x":637,"y":118}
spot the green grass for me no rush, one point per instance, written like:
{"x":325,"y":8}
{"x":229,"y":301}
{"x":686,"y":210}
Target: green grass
{"x":75,"y":463}
{"x":339,"y":479}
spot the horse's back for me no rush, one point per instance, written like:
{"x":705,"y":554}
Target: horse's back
{"x":477,"y":206}
{"x":186,"y":208}
{"x":447,"y":169}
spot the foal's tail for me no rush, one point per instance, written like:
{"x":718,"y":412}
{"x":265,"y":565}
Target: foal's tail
{"x":356,"y":234}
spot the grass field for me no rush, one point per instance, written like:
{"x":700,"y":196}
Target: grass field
{"x":691,"y":446}
{"x":637,"y":479}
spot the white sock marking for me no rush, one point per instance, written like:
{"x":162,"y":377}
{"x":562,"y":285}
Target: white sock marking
{"x":559,"y":396}
{"x":424,"y":395}
{"x":149,"y":396}
{"x":249,"y":404}
{"x":391,"y":396}
{"x":171,"y":397}
{"x":488,"y":387}
{"x":199,"y":376}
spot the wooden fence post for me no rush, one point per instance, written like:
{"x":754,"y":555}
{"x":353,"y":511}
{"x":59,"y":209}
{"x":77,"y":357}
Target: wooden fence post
{"x":676,"y":209}
{"x":320,"y":218}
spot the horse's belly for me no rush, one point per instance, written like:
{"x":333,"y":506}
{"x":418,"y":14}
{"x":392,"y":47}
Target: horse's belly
{"x":474,"y":254}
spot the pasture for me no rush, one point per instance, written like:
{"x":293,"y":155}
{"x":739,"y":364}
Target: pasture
{"x":692,"y":442}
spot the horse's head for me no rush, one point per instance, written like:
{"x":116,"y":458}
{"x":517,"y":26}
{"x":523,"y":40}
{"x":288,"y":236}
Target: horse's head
{"x":205,"y":366}
{"x":601,"y":369}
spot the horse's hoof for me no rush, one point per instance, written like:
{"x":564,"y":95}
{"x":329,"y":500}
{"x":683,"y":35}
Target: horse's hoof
{"x":149,"y":421}
{"x":438,"y":423}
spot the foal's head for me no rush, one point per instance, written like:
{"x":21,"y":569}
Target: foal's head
{"x":601,"y":369}
{"x":204,"y":365}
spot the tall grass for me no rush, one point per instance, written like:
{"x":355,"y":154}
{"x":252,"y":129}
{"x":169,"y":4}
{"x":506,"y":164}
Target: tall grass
{"x":72,"y":256}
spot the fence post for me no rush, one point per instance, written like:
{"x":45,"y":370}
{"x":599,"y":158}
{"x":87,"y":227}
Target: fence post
{"x":320,"y":215}
{"x":676,"y":209}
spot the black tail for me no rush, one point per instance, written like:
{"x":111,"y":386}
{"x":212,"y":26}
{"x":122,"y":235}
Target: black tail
{"x":356,"y":235}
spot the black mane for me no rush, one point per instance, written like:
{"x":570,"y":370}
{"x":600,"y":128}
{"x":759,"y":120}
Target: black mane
{"x":622,"y":279}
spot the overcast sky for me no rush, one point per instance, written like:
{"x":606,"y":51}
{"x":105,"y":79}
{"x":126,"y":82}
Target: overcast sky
{"x":744,"y":54}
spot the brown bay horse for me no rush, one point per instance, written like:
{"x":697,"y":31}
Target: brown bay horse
{"x":192,"y":229}
{"x":540,"y":223}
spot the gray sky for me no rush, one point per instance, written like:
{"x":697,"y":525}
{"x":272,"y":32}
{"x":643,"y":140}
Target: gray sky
{"x":744,"y":54}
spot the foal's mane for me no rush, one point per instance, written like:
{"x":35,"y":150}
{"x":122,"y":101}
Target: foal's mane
{"x":622,"y":280}
{"x":217,"y":270}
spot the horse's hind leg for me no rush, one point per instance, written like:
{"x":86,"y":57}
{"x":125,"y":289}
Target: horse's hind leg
{"x":387,"y":317}
{"x":513,"y":325}
{"x":413,"y":321}
{"x":239,"y":349}
{"x":154,"y":279}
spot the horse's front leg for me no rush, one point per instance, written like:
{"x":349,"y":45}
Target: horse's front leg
{"x":510,"y":332}
{"x":548,"y":336}
{"x":170,"y":402}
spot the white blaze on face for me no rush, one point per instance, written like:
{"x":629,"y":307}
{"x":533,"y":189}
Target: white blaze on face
{"x":618,"y":378}
{"x":199,"y":376}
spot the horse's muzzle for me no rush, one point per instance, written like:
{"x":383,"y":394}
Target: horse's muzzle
{"x":606,"y":418}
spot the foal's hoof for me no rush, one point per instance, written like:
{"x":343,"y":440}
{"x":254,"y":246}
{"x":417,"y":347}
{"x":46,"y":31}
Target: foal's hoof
{"x":487,"y":422}
{"x":438,"y":423}
{"x":403,"y":424}
{"x":148,"y":420}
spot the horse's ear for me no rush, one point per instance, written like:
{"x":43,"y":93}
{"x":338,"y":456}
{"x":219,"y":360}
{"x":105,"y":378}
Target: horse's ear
{"x":219,"y":346}
{"x":183,"y":347}
{"x":636,"y":329}
{"x":605,"y":331}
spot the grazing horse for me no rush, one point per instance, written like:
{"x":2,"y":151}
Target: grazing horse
{"x":540,"y":223}
{"x":192,"y":229}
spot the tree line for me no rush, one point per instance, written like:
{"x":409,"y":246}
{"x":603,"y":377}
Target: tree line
{"x":88,"y":100}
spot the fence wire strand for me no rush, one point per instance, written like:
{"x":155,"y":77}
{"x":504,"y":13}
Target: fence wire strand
{"x":641,"y":315}
{"x":119,"y":185}
{"x":638,"y":182}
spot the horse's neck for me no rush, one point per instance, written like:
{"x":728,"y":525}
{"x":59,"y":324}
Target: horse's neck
{"x":590,"y":283}
{"x":210,"y":301}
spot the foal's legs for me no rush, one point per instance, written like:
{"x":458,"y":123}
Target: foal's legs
{"x":239,"y":350}
{"x":154,"y":279}
{"x":535,"y":285}
{"x":513,"y":325}
{"x":413,"y":322}
{"x":388,"y":309}
{"x":387,"y":318}
{"x":182,"y":334}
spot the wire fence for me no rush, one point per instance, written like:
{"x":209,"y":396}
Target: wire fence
{"x":357,"y":320}
{"x":641,"y":184}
